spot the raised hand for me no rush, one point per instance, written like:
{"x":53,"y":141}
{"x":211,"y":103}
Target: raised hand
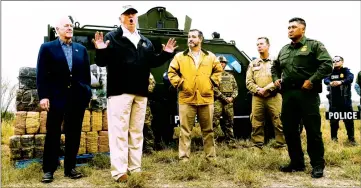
{"x":171,"y":45}
{"x":99,"y":41}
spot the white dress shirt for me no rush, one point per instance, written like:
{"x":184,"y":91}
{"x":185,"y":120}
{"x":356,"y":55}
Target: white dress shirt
{"x":133,"y":37}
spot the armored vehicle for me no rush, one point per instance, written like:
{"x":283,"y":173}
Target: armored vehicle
{"x":158,"y":25}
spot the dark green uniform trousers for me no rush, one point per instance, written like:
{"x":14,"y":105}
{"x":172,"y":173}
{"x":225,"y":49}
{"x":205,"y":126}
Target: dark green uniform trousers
{"x":298,"y":104}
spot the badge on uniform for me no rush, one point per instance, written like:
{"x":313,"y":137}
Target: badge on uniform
{"x":144,"y":44}
{"x":304,"y":48}
{"x":341,"y":75}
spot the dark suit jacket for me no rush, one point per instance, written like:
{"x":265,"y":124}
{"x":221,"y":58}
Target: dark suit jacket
{"x":54,"y":79}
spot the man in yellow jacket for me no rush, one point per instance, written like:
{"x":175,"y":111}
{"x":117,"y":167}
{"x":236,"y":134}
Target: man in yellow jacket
{"x":194,"y":72}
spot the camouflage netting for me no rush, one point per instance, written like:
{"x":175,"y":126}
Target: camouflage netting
{"x":96,"y":121}
{"x":27,"y":78}
{"x":32,"y":122}
{"x":27,"y":100}
{"x":92,"y":142}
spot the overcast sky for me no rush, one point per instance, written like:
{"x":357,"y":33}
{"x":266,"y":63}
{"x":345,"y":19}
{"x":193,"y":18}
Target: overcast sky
{"x":336,"y":24}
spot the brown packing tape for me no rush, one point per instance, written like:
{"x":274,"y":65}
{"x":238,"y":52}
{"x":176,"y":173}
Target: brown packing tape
{"x":86,"y":121}
{"x":96,"y":121}
{"x":20,"y":120}
{"x":104,"y":148}
{"x":43,"y":118}
{"x":19,"y":131}
{"x":103,"y":133}
{"x":103,"y":140}
{"x":32,"y":122}
{"x":92,"y":142}
{"x":105,"y":121}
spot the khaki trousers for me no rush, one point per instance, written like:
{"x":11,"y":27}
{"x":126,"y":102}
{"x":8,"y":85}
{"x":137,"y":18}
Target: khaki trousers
{"x":187,"y":114}
{"x":126,"y":114}
{"x":260,"y":106}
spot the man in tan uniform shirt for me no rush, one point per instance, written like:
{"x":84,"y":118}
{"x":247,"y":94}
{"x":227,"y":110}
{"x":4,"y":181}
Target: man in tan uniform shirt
{"x":265,"y":96}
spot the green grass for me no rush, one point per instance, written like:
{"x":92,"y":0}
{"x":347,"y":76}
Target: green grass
{"x":243,"y":167}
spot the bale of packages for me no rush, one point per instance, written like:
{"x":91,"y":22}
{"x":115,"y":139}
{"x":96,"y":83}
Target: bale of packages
{"x":82,"y":145}
{"x":27,"y":78}
{"x":32,"y":122}
{"x":92,"y":142}
{"x":27,"y":141}
{"x":15,"y":153}
{"x":96,"y":121}
{"x":86,"y":121}
{"x":103,"y":142}
{"x":43,"y":117}
{"x":15,"y":142}
{"x":27,"y":152}
{"x":20,"y":123}
{"x":38,"y":152}
{"x":27,"y":100}
{"x":105,"y":120}
{"x":40,"y":140}
{"x":103,"y":133}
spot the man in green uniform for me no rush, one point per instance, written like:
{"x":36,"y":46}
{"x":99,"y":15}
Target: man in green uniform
{"x":298,"y":71}
{"x":148,"y":143}
{"x":266,"y":97}
{"x":224,"y":96}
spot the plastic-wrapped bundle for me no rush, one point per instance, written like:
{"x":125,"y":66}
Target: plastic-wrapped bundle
{"x":32,"y":122}
{"x":15,"y":142}
{"x":82,"y":145}
{"x":43,"y":118}
{"x":96,"y":121}
{"x":27,"y":78}
{"x":27,"y":141}
{"x":40,"y":140}
{"x":27,"y":100}
{"x":20,"y":123}
{"x":86,"y":121}
{"x":105,"y":120}
{"x":92,"y":142}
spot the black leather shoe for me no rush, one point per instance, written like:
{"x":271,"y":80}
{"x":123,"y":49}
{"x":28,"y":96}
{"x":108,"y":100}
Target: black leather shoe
{"x":73,"y":174}
{"x":292,"y":168}
{"x":47,"y":177}
{"x":317,"y":172}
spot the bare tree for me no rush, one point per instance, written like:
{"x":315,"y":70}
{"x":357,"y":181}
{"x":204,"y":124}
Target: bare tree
{"x":8,"y":93}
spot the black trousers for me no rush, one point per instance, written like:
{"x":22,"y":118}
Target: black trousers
{"x":349,"y":124}
{"x":72,"y":114}
{"x":298,"y":104}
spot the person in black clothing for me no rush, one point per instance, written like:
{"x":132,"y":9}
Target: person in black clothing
{"x":340,"y":97}
{"x":63,"y":84}
{"x":128,"y":55}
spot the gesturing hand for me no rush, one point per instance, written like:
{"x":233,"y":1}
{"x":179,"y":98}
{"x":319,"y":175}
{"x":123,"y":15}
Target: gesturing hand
{"x":171,"y":45}
{"x":99,"y":41}
{"x":45,"y":104}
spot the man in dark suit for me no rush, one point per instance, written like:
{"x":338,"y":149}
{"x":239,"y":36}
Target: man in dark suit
{"x":63,"y":82}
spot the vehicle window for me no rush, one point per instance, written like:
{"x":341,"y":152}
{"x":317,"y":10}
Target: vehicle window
{"x":233,"y":63}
